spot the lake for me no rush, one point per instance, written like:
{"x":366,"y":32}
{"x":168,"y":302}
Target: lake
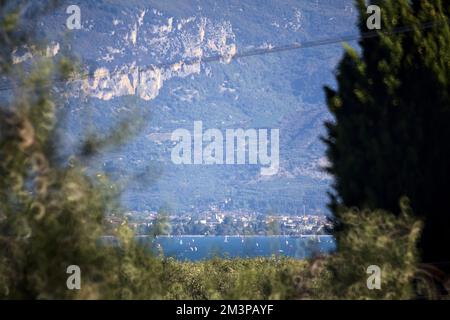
{"x":194,"y":248}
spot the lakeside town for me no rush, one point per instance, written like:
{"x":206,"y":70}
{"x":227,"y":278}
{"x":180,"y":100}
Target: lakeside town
{"x":218,"y":222}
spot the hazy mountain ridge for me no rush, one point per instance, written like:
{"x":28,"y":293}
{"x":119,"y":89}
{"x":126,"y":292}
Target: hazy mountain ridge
{"x":154,"y":52}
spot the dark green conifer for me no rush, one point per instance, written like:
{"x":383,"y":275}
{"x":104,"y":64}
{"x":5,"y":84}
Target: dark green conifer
{"x":390,"y":135}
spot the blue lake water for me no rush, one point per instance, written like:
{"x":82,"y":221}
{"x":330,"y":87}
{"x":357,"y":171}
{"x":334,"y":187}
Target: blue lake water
{"x":194,"y":248}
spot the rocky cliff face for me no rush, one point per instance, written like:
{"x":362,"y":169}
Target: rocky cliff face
{"x":207,"y":60}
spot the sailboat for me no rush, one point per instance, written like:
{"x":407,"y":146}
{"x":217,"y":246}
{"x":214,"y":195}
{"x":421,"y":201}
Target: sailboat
{"x":226,"y":239}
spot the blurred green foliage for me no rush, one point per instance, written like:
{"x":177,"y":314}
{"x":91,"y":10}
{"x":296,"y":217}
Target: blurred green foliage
{"x":375,"y":238}
{"x":51,"y":210}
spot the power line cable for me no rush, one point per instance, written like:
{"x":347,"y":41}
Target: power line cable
{"x":270,"y":50}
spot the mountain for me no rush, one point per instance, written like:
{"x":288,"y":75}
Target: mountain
{"x":183,"y":61}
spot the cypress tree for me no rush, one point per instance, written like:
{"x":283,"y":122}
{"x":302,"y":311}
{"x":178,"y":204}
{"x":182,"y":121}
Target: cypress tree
{"x":390,"y":134}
